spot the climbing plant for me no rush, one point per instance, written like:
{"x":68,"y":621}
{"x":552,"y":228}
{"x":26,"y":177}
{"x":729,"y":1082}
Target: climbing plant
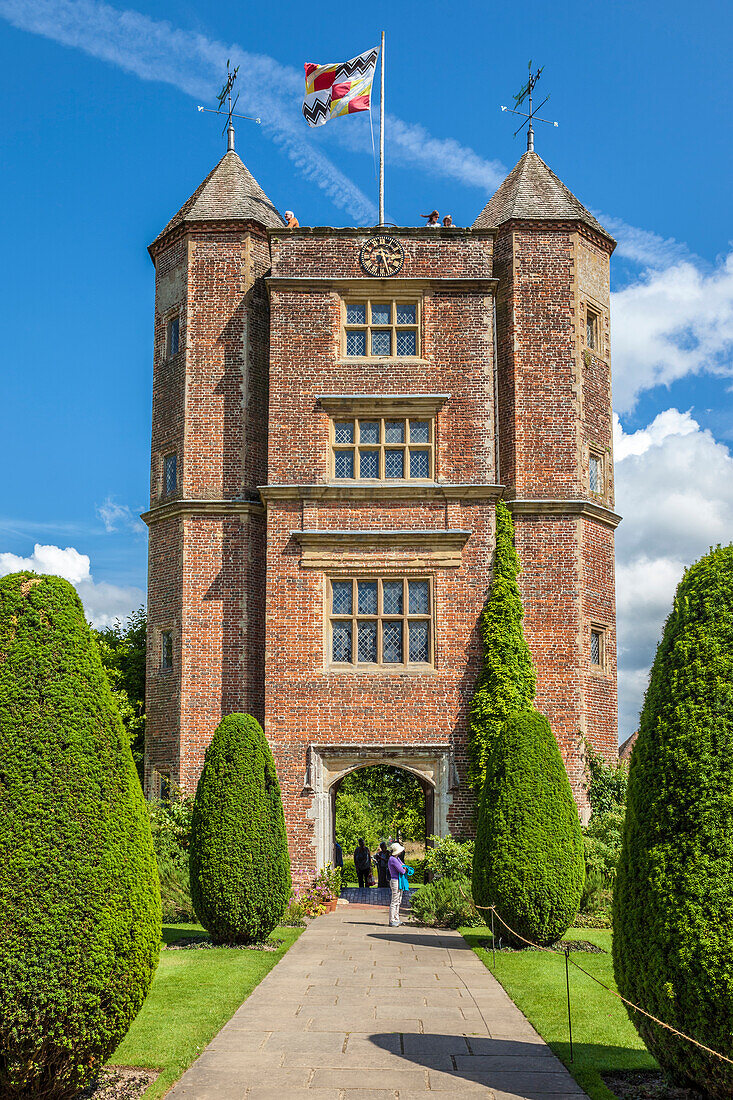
{"x":506,"y":682}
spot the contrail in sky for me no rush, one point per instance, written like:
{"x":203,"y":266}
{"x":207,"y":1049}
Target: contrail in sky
{"x":157,"y":51}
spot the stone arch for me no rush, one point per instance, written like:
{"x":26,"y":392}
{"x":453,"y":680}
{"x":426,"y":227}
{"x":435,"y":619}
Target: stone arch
{"x":427,"y":785}
{"x":329,"y":764}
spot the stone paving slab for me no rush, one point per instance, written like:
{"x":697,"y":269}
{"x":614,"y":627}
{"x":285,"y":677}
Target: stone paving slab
{"x":359,"y":1010}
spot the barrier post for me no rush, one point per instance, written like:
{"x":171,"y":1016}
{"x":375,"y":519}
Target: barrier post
{"x":567,"y":986}
{"x":493,"y":939}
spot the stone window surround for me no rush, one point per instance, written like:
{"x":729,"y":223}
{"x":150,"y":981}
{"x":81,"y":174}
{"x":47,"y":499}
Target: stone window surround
{"x":418,"y":406}
{"x":391,"y":295}
{"x":171,"y":315}
{"x":162,"y":632}
{"x":381,"y":447}
{"x":378,"y":667}
{"x":591,"y":305}
{"x":162,"y":453}
{"x":165,"y":491}
{"x":601,"y":668}
{"x":599,"y":454}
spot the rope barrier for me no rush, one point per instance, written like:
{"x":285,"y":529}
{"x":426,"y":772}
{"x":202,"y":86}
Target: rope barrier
{"x":614,"y":993}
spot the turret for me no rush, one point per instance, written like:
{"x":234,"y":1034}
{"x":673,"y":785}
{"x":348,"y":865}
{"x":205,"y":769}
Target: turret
{"x":555,"y":444}
{"x":208,"y":454}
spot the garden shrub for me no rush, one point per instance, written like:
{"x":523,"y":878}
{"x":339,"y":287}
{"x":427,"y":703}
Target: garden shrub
{"x":448,"y":857}
{"x":446,"y":903}
{"x":528,"y":860}
{"x":602,"y":845}
{"x":79,"y":897}
{"x":673,"y":902}
{"x":170,"y":824}
{"x":506,"y":682}
{"x":238,"y":857}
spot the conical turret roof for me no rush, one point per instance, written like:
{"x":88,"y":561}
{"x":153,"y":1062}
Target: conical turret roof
{"x":229,"y":191}
{"x":532,"y":190}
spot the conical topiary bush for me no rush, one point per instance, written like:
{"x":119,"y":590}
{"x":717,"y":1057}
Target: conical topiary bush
{"x":79,"y":893}
{"x":528,"y":860}
{"x":673,"y":900}
{"x":240,"y":870}
{"x":507,"y":681}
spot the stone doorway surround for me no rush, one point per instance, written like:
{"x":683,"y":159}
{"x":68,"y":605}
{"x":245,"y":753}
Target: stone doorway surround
{"x":433,"y":764}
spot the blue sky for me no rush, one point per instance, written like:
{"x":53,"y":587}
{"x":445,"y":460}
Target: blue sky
{"x":102,"y":143}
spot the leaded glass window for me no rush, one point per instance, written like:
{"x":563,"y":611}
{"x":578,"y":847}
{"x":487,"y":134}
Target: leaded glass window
{"x":170,"y":474}
{"x":384,"y":330}
{"x":393,"y":448}
{"x":173,"y":335}
{"x":596,"y":647}
{"x":380,"y":622}
{"x":166,"y":649}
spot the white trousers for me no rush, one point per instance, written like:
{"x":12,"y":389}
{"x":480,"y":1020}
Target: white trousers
{"x":394,"y":904}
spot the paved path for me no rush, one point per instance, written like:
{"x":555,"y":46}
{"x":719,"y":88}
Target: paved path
{"x":360,"y":1011}
{"x":373,"y":895}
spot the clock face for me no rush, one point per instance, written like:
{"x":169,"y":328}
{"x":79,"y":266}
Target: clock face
{"x":382,"y":256}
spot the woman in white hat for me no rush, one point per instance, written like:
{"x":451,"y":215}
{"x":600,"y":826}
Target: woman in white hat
{"x":395,"y":868}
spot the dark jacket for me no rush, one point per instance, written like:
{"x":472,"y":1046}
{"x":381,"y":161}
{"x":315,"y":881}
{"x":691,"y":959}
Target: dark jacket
{"x":362,"y":858}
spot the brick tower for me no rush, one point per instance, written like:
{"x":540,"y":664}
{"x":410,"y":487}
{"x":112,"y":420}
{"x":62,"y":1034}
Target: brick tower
{"x":555,"y":446}
{"x":335,"y":414}
{"x":208,"y":455}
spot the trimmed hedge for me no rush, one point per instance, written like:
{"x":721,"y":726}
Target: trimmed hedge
{"x":528,"y":859}
{"x":79,"y":894}
{"x":673,"y":902}
{"x":238,"y":855}
{"x":507,"y":679}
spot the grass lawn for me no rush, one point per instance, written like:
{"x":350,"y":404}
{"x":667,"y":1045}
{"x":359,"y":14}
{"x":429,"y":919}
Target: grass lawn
{"x":192,"y":996}
{"x":604,"y":1038}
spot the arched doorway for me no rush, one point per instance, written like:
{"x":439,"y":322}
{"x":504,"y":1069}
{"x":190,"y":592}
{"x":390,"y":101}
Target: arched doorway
{"x":383,"y":802}
{"x":327,"y":764}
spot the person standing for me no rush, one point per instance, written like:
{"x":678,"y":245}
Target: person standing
{"x":338,"y":855}
{"x":362,"y":862}
{"x":395,"y":868}
{"x":381,"y":858}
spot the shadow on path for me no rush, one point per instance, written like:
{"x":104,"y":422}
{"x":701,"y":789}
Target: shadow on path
{"x":509,"y":1066}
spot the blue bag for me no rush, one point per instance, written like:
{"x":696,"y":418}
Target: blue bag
{"x":404,"y":880}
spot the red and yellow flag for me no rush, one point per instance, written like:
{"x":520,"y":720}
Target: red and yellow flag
{"x":342,"y":89}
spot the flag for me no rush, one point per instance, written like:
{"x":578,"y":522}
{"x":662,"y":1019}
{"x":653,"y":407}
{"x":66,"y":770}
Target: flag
{"x":343,"y":89}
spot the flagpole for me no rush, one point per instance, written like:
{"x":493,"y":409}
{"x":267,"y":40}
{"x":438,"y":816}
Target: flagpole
{"x":381,"y":143}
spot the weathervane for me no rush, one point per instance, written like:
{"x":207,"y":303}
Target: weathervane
{"x":225,"y":96}
{"x":525,"y":92}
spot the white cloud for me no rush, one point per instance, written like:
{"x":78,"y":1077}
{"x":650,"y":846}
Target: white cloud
{"x":673,"y":321}
{"x":155,"y":50}
{"x":114,"y":516}
{"x":103,"y":602}
{"x":674,"y":488}
{"x":669,"y":422}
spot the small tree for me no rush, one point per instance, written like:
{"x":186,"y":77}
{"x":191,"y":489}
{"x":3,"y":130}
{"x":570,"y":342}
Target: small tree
{"x":528,"y":859}
{"x":673,"y":903}
{"x":122,"y":648}
{"x":240,"y":870}
{"x":79,"y":895}
{"x":507,"y":679}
